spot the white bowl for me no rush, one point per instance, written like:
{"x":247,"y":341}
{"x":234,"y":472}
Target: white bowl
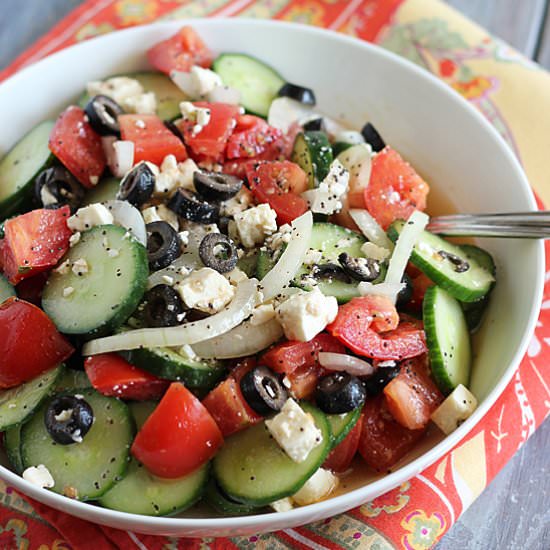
{"x":466,"y":163}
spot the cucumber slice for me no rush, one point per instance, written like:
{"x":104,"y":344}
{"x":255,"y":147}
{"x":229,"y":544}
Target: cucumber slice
{"x":467,"y":286}
{"x":12,"y":444}
{"x":19,"y":168}
{"x":6,"y":290}
{"x":248,"y":264}
{"x":342,"y":424}
{"x":168,"y":364}
{"x":257,"y":82}
{"x":141,"y":410}
{"x":71,"y":379}
{"x":17,"y":404}
{"x":105,"y":190}
{"x":313,"y":153}
{"x":339,"y":147}
{"x":93,"y":466}
{"x":251,"y":467}
{"x":105,"y":296}
{"x":448,"y":339}
{"x":223,"y":504}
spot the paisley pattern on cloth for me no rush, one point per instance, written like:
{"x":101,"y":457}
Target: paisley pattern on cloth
{"x":485,"y":71}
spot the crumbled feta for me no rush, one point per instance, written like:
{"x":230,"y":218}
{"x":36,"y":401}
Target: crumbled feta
{"x":206,"y":290}
{"x":80,"y":267}
{"x":67,"y":291}
{"x":306,"y":314}
{"x":295,"y":431}
{"x":39,"y":475}
{"x":144,"y":104}
{"x":47,"y":197}
{"x":236,"y":276}
{"x":317,"y":487}
{"x":63,"y":268}
{"x":127,"y":92}
{"x":313,"y":256}
{"x":327,"y":198}
{"x":74,"y":239}
{"x":282,"y":505}
{"x":371,"y":250}
{"x":173,"y":175}
{"x":237,"y":204}
{"x":255,"y":224}
{"x":90,"y":216}
{"x":160,"y":213}
{"x":196,"y":83}
{"x":282,"y":237}
{"x":262,"y":314}
{"x":456,"y":408}
{"x":192,"y":113}
{"x":64,"y":415}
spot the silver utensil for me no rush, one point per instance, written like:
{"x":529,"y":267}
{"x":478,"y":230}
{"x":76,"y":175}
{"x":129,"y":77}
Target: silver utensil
{"x":522,"y":225}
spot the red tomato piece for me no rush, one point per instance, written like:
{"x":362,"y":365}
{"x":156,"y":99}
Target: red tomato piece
{"x":31,"y":289}
{"x":412,"y":395}
{"x":421,"y":283}
{"x":111,"y":375}
{"x":384,"y":441}
{"x":30,"y":343}
{"x":395,"y":190}
{"x":303,"y":380}
{"x":289,"y":356}
{"x":180,"y":52}
{"x":179,"y":436}
{"x":242,"y":367}
{"x":340,"y":458}
{"x":254,"y":136}
{"x":35,"y":242}
{"x":77,"y":146}
{"x":229,"y":408}
{"x":152,"y":139}
{"x":212,"y":139}
{"x":277,"y":183}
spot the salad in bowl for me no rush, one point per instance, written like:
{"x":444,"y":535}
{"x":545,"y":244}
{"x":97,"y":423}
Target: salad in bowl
{"x":211,"y":291}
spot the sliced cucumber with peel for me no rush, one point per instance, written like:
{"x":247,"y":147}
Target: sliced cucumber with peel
{"x":448,"y":339}
{"x":313,"y":153}
{"x":6,"y":289}
{"x":12,"y":445}
{"x":223,"y":504}
{"x":431,"y":255}
{"x":342,"y":424}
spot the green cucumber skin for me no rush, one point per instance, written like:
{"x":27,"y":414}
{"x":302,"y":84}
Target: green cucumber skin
{"x":453,"y":287}
{"x":341,"y":425}
{"x":439,"y":356}
{"x":252,"y":453}
{"x":12,"y":444}
{"x":22,"y":152}
{"x":313,"y":153}
{"x":339,"y":147}
{"x":6,"y":289}
{"x":221,"y":504}
{"x":105,"y":448}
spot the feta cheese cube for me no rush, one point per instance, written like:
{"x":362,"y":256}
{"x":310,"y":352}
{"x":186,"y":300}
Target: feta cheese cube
{"x":90,"y":216}
{"x":282,"y":505}
{"x":127,"y":92}
{"x":206,"y":290}
{"x":456,"y":408}
{"x":237,"y":204}
{"x":295,"y":431}
{"x":371,"y":250}
{"x":160,"y":213}
{"x":316,"y":488}
{"x":74,"y":239}
{"x":143,"y":104}
{"x":196,"y":83}
{"x":262,"y":314}
{"x":39,"y":475}
{"x":173,"y":175}
{"x":327,"y":198}
{"x":236,"y":276}
{"x":306,"y":314}
{"x":313,"y":256}
{"x":192,"y":113}
{"x":255,"y":224}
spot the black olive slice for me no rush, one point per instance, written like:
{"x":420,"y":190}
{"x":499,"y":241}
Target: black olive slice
{"x":330,"y":271}
{"x":137,"y":185}
{"x":339,"y":392}
{"x":56,"y":187}
{"x":298,"y":93}
{"x":163,"y":307}
{"x":263,"y":390}
{"x":316,"y":124}
{"x":460,"y":264}
{"x":214,"y":186}
{"x":361,"y":269}
{"x":218,"y":252}
{"x":405,"y":294}
{"x":375,"y":383}
{"x":163,"y":245}
{"x":103,"y":113}
{"x":174,"y":129}
{"x":68,"y":419}
{"x":189,"y":206}
{"x":372,"y":137}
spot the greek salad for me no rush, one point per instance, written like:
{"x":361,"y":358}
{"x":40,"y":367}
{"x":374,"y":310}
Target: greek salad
{"x":212,"y":291}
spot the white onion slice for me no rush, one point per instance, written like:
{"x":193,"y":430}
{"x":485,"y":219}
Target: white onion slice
{"x":353,"y":137}
{"x":388,"y":290}
{"x":246,"y":298}
{"x":224,"y":94}
{"x":403,"y":247}
{"x":348,"y":363}
{"x":244,"y":340}
{"x":129,"y":217}
{"x":119,"y":155}
{"x":186,"y":82}
{"x":283,"y":112}
{"x":370,"y":228}
{"x":291,"y":259}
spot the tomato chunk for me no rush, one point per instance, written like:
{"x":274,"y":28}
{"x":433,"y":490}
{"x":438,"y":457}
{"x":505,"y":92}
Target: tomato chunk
{"x":253,"y":136}
{"x":152,"y":139}
{"x":34,"y":242}
{"x":31,"y":289}
{"x":277,"y":183}
{"x":383,"y":440}
{"x":340,"y":458}
{"x":359,"y":325}
{"x":412,"y":395}
{"x":30,"y":343}
{"x":77,"y":146}
{"x":421,"y":283}
{"x":395,"y":190}
{"x":111,"y":375}
{"x":212,"y":139}
{"x":180,"y":52}
{"x":179,"y":436}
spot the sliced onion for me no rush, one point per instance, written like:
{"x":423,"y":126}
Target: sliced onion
{"x":389,"y":290}
{"x":129,"y":217}
{"x":185,"y":82}
{"x":246,"y":298}
{"x":284,"y":111}
{"x":370,"y":228}
{"x":224,"y":94}
{"x":244,"y":340}
{"x":403,"y":248}
{"x":119,"y":155}
{"x":348,"y":363}
{"x":353,"y":137}
{"x":291,"y":259}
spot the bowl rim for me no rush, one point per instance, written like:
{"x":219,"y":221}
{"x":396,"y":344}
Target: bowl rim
{"x":325,"y":508}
